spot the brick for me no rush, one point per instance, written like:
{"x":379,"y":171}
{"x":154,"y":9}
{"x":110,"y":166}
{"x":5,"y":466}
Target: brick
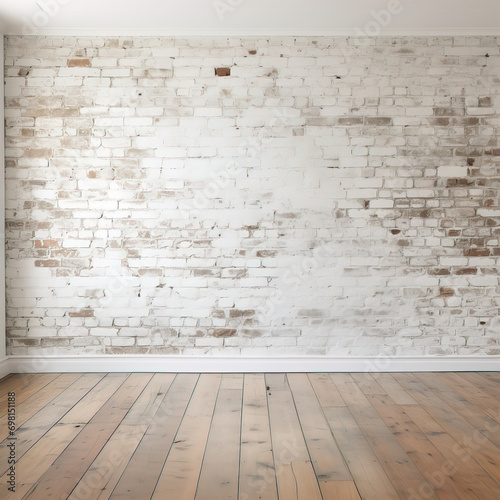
{"x":223,"y":71}
{"x":154,"y":205}
{"x":47,"y":263}
{"x":452,"y":171}
{"x":84,"y":313}
{"x":79,"y":63}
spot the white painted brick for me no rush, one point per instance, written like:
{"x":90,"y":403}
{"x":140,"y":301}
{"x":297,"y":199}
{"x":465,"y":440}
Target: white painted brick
{"x":122,"y":199}
{"x":450,"y":171}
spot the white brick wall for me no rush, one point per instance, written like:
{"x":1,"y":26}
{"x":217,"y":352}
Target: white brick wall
{"x":328,"y":197}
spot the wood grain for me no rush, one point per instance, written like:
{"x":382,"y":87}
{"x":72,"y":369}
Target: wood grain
{"x":317,"y":436}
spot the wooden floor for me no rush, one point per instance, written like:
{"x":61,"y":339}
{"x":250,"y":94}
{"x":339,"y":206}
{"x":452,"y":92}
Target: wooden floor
{"x":253,"y":437}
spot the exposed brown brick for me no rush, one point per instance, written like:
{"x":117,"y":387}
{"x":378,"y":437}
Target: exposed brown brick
{"x":466,"y":271}
{"x":266,"y":253}
{"x":64,"y":252}
{"x":38,"y":153}
{"x":222,"y":71}
{"x":83,"y":313}
{"x":224,"y":332}
{"x":378,"y":121}
{"x":46,"y":244}
{"x":446,"y":292}
{"x":218,"y":313}
{"x":25,"y":342}
{"x":203,"y":272}
{"x":350,"y":120}
{"x":55,"y":342}
{"x":251,"y":332}
{"x":439,"y":122}
{"x":485,"y":102}
{"x":79,"y":63}
{"x":477,"y":252}
{"x":46,"y":263}
{"x":439,"y":271}
{"x":240,"y":313}
{"x":448,"y":111}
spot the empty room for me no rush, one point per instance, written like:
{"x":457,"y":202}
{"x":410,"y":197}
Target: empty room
{"x":251,"y":250}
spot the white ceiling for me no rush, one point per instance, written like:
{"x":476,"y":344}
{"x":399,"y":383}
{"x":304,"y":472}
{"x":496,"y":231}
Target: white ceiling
{"x":250,"y":17}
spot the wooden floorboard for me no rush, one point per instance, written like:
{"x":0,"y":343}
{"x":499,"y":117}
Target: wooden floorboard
{"x":318,"y":436}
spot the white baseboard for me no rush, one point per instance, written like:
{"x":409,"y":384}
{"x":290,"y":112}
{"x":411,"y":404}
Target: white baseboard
{"x":212,"y":364}
{"x":5,"y":367}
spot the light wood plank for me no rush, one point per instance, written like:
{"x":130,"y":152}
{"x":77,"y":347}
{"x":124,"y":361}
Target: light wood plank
{"x":30,"y":432}
{"x":327,"y":460}
{"x":398,"y":466}
{"x":180,"y":474}
{"x":65,"y":473}
{"x":219,"y":473}
{"x":233,"y":437}
{"x":15,"y":382}
{"x":483,"y":382}
{"x":367,"y":383}
{"x":294,"y":471}
{"x":467,"y":410}
{"x":326,"y":391}
{"x":433,"y":466}
{"x":476,"y":480}
{"x":483,"y":450}
{"x":370,"y":477}
{"x":25,"y":410}
{"x":25,"y":390}
{"x":106,"y":470}
{"x":393,"y":389}
{"x":92,"y":402}
{"x":478,"y":397}
{"x":257,"y":474}
{"x":37,"y":460}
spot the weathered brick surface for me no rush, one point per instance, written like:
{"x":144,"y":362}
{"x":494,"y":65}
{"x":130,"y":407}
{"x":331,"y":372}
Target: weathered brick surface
{"x":327,"y":196}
